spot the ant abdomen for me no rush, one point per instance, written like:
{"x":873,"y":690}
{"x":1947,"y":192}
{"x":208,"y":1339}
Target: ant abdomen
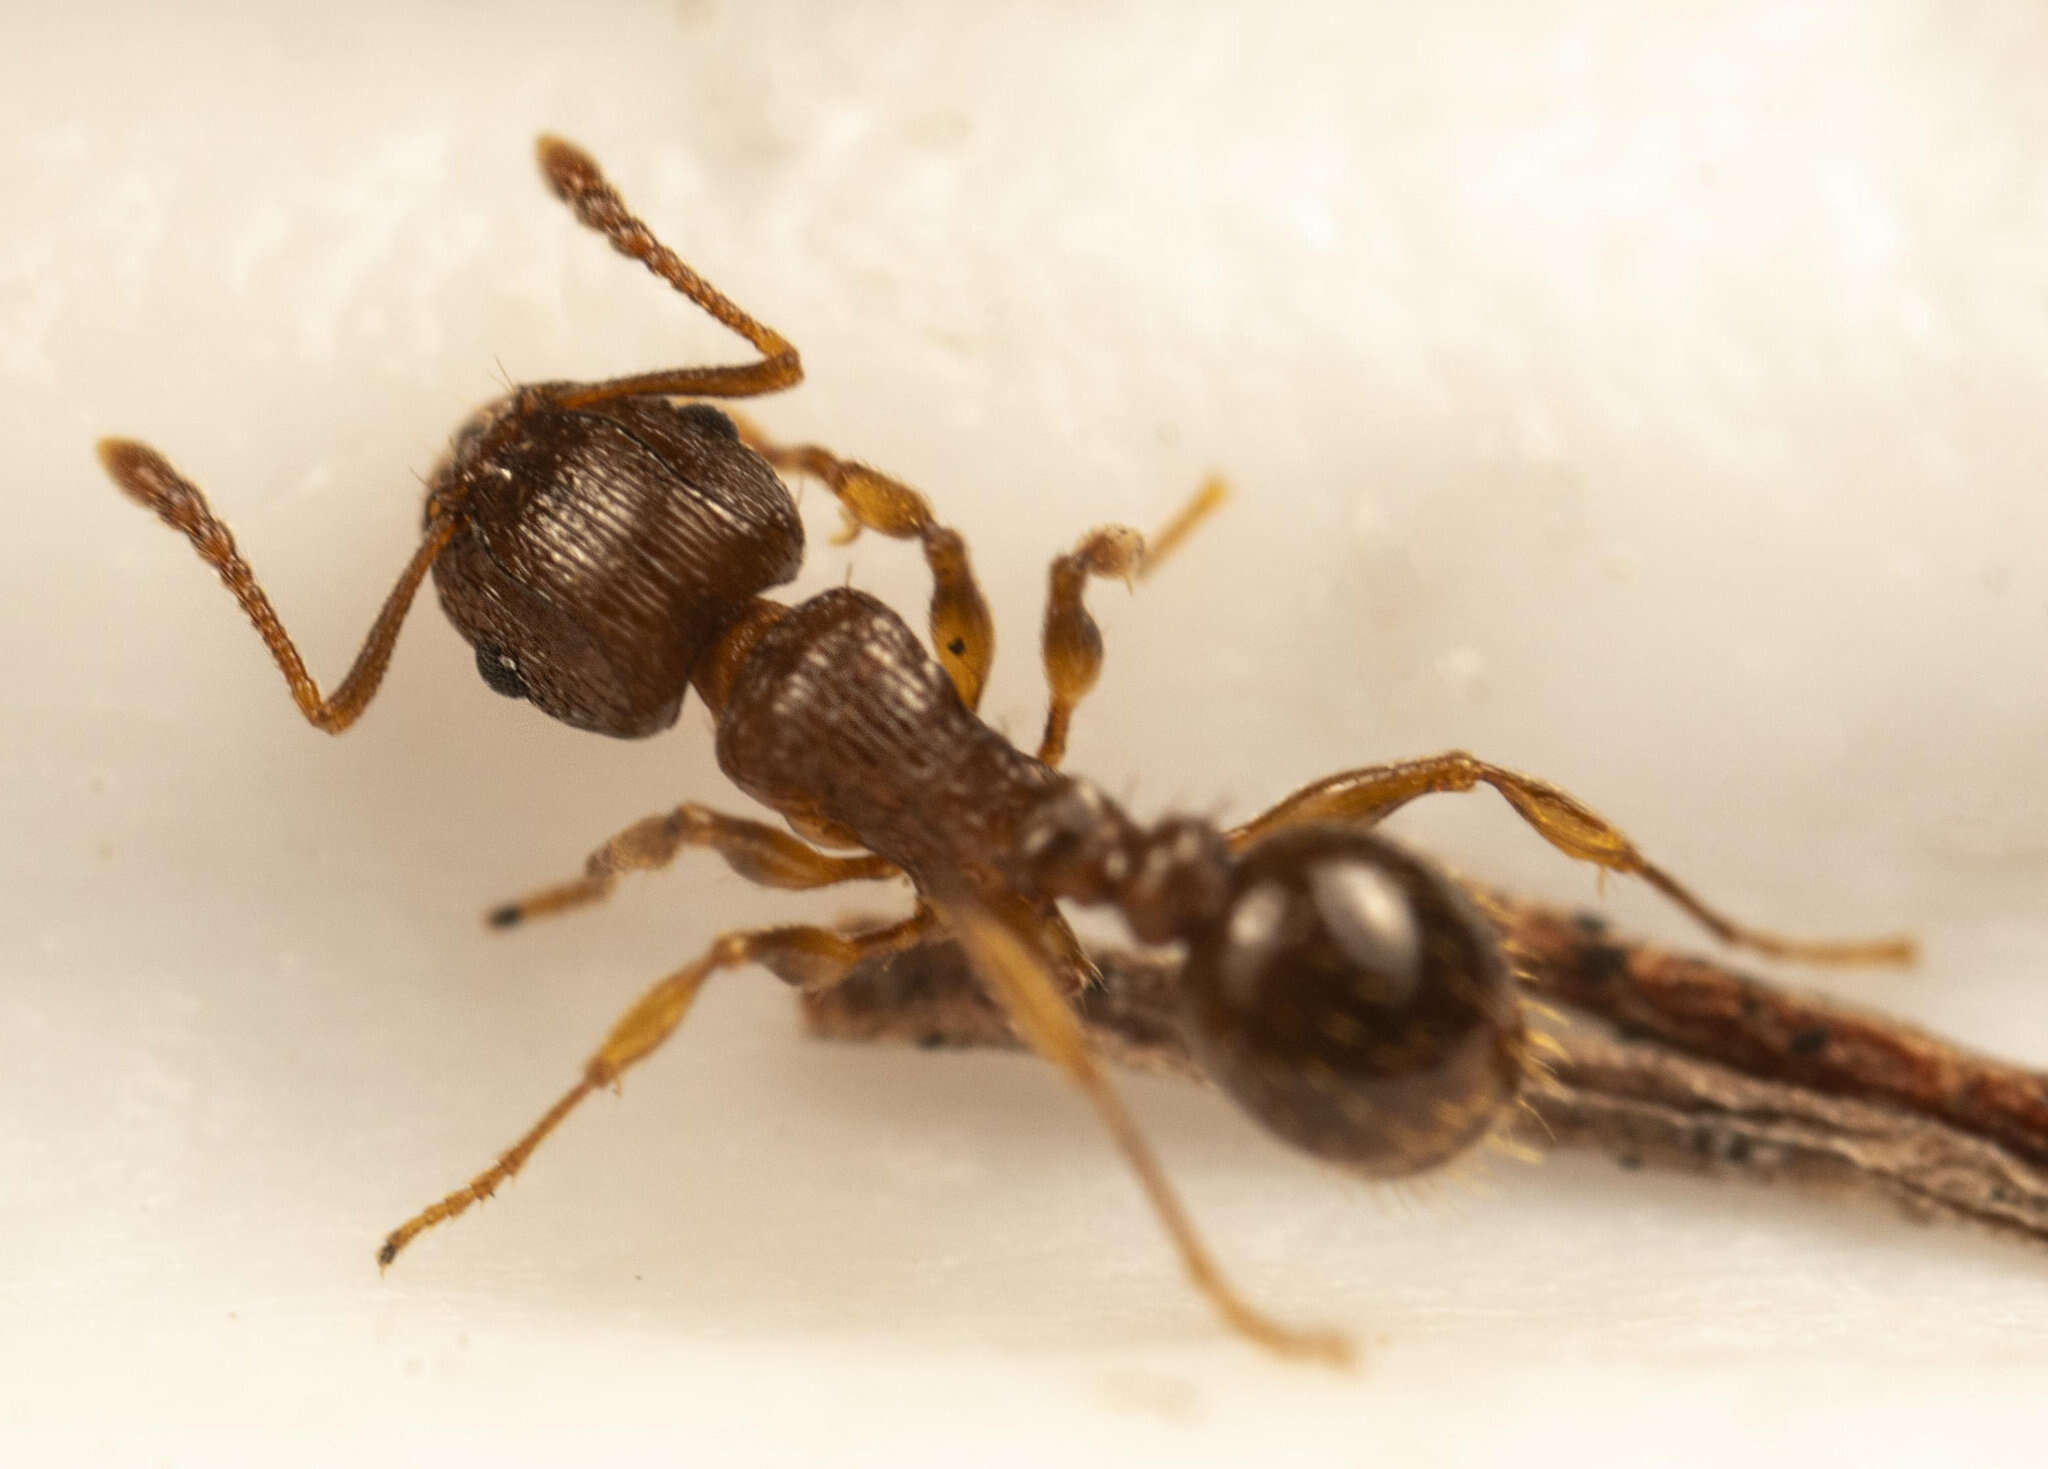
{"x":1354,"y":1002}
{"x":603,"y":546}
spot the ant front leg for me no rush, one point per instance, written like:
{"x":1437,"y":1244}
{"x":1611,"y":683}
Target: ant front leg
{"x":812,"y":959}
{"x":963,"y":632}
{"x":1369,"y":795}
{"x":755,"y":851}
{"x":1072,"y":642}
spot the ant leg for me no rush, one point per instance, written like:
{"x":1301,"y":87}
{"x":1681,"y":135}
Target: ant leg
{"x":1016,"y":970}
{"x":577,"y":182}
{"x":754,"y":850}
{"x":963,"y":633}
{"x":1072,"y":642}
{"x":1369,"y":795}
{"x":810,"y":958}
{"x":146,"y":476}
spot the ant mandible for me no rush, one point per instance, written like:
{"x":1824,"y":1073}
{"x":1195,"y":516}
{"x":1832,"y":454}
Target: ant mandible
{"x":604,"y":550}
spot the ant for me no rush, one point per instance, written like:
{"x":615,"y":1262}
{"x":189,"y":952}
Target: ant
{"x":605,"y":548}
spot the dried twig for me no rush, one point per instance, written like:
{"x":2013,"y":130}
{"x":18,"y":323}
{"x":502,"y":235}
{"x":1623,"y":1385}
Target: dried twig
{"x":1660,"y":1059}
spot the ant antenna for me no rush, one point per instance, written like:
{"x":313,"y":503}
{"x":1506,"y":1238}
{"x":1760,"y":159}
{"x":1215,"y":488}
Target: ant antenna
{"x":146,"y":476}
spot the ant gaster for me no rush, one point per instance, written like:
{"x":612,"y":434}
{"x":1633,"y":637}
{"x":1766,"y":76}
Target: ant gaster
{"x":605,"y":549}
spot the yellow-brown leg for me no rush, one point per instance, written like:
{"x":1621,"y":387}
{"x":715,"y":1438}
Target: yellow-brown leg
{"x":1013,"y":964}
{"x":1369,"y":795}
{"x":811,"y":958}
{"x":1072,"y":642}
{"x":756,"y":851}
{"x":963,"y":632}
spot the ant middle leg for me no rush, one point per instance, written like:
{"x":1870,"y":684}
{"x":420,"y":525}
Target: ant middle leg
{"x":754,"y":850}
{"x":808,"y":957}
{"x":963,"y":632}
{"x":1072,"y":643}
{"x":1368,"y":795}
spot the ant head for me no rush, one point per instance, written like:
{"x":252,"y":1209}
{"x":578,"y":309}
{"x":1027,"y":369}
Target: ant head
{"x":602,"y":546}
{"x":1354,"y":1002}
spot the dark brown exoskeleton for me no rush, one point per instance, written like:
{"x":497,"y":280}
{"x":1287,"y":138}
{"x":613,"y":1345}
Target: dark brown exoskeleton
{"x":605,"y":549}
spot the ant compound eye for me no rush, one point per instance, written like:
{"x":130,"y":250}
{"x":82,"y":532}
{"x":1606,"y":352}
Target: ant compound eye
{"x":500,"y":671}
{"x":709,"y":419}
{"x":1353,"y":1001}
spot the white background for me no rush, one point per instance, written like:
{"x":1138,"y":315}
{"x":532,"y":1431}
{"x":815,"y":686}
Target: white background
{"x":1654,"y":404}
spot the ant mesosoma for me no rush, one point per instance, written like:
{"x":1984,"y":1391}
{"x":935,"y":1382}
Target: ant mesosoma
{"x":604,"y":549}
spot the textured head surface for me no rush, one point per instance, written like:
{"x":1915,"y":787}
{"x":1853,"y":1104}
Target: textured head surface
{"x":603,"y":548}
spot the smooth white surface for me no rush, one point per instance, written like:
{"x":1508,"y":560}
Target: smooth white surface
{"x":1653,"y":404}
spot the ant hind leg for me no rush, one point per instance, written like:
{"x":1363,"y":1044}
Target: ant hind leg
{"x":1009,"y":956}
{"x":1368,"y":795}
